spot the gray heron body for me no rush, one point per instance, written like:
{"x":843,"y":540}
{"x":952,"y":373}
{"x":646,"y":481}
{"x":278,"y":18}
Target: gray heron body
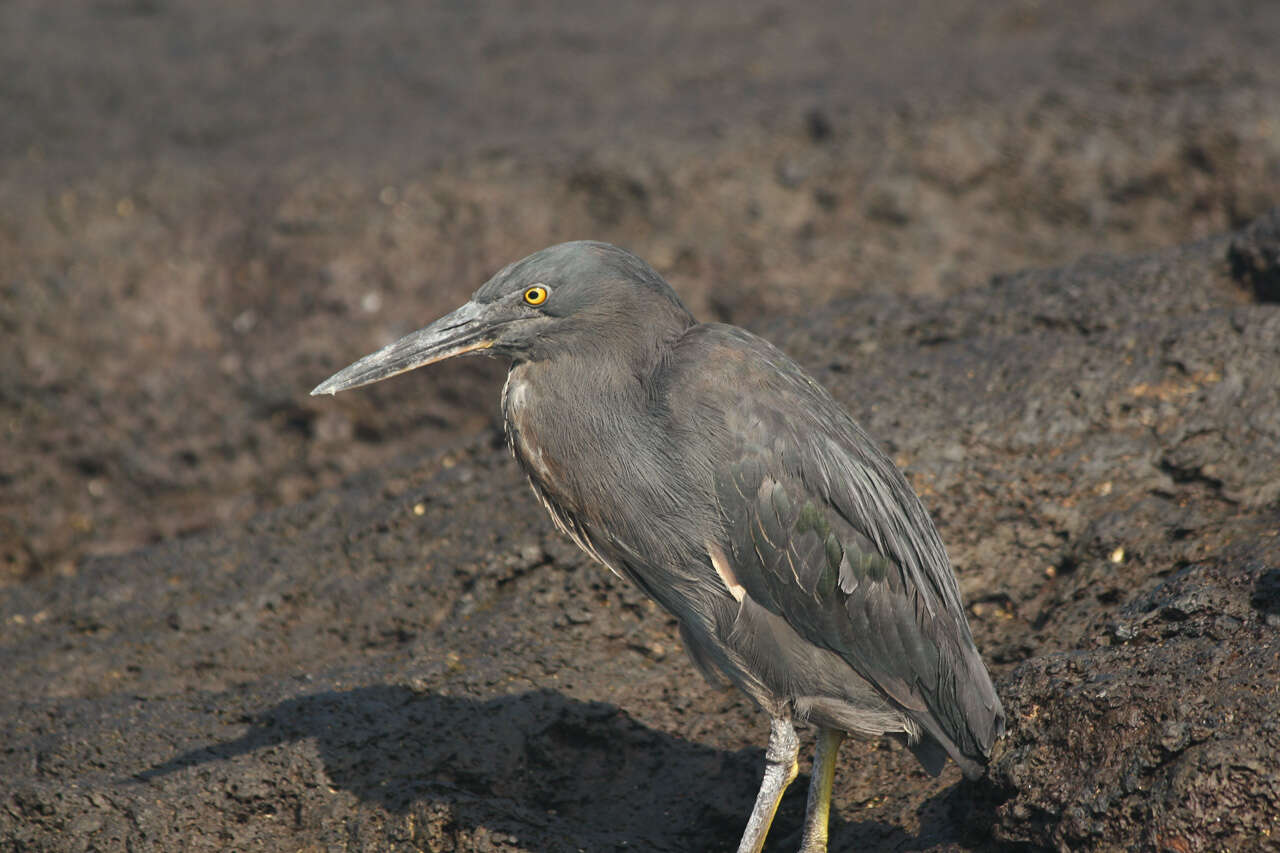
{"x":699,"y":462}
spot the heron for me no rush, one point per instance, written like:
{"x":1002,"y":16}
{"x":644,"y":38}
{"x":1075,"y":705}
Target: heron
{"x":700,"y":463}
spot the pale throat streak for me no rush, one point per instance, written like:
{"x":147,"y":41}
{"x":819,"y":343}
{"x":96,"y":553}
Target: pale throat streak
{"x":518,"y":400}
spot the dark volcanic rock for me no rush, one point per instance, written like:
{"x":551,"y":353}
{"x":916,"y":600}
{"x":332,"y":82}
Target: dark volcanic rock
{"x":234,"y":617}
{"x":1163,"y":736}
{"x":418,"y":661}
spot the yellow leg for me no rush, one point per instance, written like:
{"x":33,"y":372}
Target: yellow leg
{"x":779,"y":769}
{"x":817,"y":812}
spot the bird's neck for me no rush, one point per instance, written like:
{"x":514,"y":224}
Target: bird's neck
{"x":580,"y":392}
{"x":595,"y":441}
{"x":571,"y":419}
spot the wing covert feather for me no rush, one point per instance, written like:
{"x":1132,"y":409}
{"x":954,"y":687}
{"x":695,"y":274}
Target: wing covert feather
{"x":824,"y":531}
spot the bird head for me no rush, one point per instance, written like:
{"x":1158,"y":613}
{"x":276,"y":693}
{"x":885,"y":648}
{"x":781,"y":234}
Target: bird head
{"x":583,"y":298}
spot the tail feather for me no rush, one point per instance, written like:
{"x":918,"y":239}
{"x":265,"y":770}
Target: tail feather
{"x":968,"y":720}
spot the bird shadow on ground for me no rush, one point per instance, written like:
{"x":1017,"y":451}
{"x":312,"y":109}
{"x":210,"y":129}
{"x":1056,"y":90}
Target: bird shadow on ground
{"x":957,"y":817}
{"x":551,"y":771}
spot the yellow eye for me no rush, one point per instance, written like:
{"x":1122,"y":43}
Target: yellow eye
{"x":535,"y":295}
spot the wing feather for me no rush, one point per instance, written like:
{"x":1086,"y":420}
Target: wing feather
{"x":824,"y":532}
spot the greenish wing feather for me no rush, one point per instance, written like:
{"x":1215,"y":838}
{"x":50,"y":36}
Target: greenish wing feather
{"x":795,"y":555}
{"x":825,"y":532}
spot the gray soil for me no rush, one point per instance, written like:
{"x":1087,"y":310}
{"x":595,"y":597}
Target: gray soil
{"x":236,"y":617}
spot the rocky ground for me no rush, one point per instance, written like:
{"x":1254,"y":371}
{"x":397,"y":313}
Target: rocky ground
{"x":236,"y":617}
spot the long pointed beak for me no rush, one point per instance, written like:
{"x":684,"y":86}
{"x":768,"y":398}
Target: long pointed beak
{"x":467,"y":329}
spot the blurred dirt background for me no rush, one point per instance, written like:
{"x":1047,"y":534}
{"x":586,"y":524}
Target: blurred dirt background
{"x":236,"y":617}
